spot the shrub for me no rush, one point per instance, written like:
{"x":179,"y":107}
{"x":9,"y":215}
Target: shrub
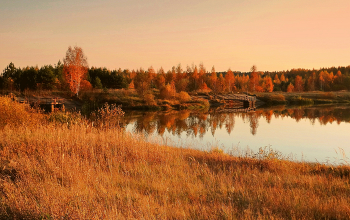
{"x":184,"y":97}
{"x":108,"y":116}
{"x":65,"y":117}
{"x":15,"y":113}
{"x":278,"y":97}
{"x":300,"y":101}
{"x":149,"y":99}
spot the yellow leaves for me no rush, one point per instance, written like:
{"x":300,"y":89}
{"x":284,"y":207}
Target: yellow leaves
{"x":75,"y":68}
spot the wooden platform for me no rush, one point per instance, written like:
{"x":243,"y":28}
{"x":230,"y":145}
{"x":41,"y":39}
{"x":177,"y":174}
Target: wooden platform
{"x":235,"y":110}
{"x":238,"y":100}
{"x":47,"y":104}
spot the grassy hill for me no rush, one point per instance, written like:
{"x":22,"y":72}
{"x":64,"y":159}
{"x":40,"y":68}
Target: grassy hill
{"x":63,"y":166}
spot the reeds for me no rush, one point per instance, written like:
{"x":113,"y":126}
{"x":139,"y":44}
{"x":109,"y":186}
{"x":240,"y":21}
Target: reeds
{"x":79,"y":171}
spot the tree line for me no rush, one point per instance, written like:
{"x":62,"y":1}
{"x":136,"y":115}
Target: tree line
{"x":178,"y":79}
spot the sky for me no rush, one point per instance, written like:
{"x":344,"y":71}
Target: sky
{"x":274,"y":35}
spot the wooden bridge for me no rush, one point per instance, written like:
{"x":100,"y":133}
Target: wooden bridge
{"x":235,"y":110}
{"x":47,"y":104}
{"x":238,"y":101}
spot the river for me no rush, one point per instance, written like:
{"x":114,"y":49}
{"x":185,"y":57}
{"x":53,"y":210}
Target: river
{"x":300,"y":133}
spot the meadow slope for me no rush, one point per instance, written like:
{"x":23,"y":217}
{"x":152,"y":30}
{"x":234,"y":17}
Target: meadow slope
{"x":63,"y":166}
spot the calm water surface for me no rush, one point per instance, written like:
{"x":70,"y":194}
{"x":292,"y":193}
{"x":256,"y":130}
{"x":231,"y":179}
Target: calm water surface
{"x":315,"y":134}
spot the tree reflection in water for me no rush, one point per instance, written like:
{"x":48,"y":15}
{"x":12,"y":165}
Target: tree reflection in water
{"x":196,"y":123}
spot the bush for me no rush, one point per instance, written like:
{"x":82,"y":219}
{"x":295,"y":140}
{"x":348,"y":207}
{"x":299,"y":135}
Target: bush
{"x":300,"y":101}
{"x":184,"y":97}
{"x":65,"y":117}
{"x":277,"y":99}
{"x":108,"y":116}
{"x":14,"y":113}
{"x":149,"y":99}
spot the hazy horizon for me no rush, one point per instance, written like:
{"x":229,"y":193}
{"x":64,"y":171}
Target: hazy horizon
{"x":274,"y":35}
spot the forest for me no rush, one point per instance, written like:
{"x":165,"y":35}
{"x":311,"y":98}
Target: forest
{"x":190,"y":79}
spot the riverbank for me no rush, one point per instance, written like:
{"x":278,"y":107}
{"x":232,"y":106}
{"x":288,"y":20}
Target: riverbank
{"x":60,"y":166}
{"x":302,"y":98}
{"x":129,"y":100}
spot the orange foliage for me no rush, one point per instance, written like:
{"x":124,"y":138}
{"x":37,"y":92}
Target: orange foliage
{"x":268,"y":84}
{"x":184,"y":97}
{"x":290,"y":87}
{"x":283,"y":78}
{"x":75,"y":68}
{"x":204,"y":87}
{"x":230,"y":80}
{"x":298,"y":85}
{"x":311,"y":82}
{"x":160,"y":80}
{"x":276,"y":80}
{"x":131,"y":85}
{"x":85,"y":85}
{"x":168,"y":91}
{"x":253,"y":79}
{"x":149,"y":99}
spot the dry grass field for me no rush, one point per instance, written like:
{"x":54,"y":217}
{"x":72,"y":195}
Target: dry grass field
{"x":61,"y":166}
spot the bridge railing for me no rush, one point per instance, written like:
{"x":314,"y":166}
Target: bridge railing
{"x":239,"y":97}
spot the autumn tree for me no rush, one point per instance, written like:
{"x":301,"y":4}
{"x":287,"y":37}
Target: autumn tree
{"x":290,"y":87}
{"x":152,"y":75}
{"x":338,"y":80}
{"x":201,"y":74}
{"x":182,"y":81}
{"x":268,"y":85}
{"x":276,"y":80}
{"x":253,"y":79}
{"x":242,"y":82}
{"x":182,"y":84}
{"x":230,"y":80}
{"x":311,"y":82}
{"x":213,"y":80}
{"x":194,"y":77}
{"x":283,"y":78}
{"x":168,"y":91}
{"x":321,"y":80}
{"x":75,"y":68}
{"x":160,"y":81}
{"x":328,"y":77}
{"x":171,"y":75}
{"x":204,"y":87}
{"x":339,"y":77}
{"x":221,"y":84}
{"x":142,"y":82}
{"x":298,"y":84}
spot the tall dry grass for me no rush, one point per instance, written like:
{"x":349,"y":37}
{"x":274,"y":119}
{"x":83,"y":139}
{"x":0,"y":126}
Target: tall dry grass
{"x":76,"y":171}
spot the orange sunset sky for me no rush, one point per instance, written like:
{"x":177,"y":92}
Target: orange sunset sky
{"x":129,"y":34}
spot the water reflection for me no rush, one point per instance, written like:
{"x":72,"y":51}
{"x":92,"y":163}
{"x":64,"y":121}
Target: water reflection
{"x":198,"y":123}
